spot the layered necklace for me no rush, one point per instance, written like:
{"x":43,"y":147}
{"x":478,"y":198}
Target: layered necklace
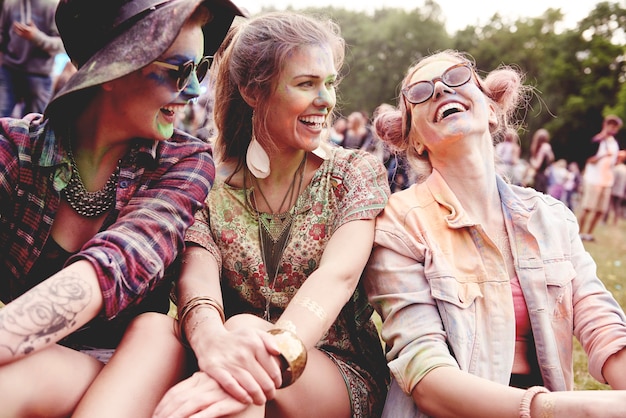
{"x":85,"y":203}
{"x":275,"y":230}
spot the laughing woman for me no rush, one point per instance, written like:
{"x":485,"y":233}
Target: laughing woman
{"x":481,"y":285}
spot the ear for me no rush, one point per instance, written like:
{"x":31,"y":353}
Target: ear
{"x":249,"y":97}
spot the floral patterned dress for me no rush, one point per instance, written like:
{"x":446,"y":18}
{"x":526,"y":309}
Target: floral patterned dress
{"x":349,"y":185}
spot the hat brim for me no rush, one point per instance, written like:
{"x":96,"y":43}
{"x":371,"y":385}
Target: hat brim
{"x":147,"y":40}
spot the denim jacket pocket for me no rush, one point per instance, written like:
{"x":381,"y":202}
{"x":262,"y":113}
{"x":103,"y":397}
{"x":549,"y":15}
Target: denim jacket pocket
{"x":559,"y":276}
{"x":456,"y":302}
{"x":450,"y":290}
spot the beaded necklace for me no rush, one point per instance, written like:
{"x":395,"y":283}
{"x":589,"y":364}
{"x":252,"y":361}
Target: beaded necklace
{"x":85,"y":203}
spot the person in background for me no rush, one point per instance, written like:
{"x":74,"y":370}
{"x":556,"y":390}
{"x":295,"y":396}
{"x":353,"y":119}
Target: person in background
{"x":269,"y":296}
{"x":541,"y":156}
{"x":571,"y":187}
{"x":618,"y":190}
{"x":508,"y":154}
{"x":482,"y":284}
{"x":63,"y":70}
{"x":598,"y":177}
{"x":337,"y":130}
{"x":358,"y":132}
{"x":29,"y":43}
{"x":98,"y":192}
{"x":558,"y":174}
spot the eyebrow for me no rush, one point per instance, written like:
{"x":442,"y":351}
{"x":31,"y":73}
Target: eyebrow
{"x":334,"y":75}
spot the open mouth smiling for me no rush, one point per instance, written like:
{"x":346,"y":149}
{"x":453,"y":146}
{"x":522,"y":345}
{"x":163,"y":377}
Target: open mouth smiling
{"x":313,"y":121}
{"x":168,"y":110}
{"x":449,"y":109}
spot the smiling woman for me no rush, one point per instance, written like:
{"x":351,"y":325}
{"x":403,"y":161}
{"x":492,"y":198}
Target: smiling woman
{"x":482,"y":284}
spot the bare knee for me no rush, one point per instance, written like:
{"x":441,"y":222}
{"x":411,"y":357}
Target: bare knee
{"x":151,"y":324}
{"x":48,"y":383}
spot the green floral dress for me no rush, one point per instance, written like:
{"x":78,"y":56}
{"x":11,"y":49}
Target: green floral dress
{"x":349,"y":185}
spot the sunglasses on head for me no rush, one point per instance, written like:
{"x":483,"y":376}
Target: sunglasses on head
{"x":455,"y":76}
{"x":183,"y":71}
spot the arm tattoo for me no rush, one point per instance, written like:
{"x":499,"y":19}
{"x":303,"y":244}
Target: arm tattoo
{"x":41,"y":314}
{"x":314,"y":307}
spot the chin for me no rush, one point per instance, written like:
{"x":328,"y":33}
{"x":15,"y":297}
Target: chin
{"x":164,"y":132}
{"x":313,"y":144}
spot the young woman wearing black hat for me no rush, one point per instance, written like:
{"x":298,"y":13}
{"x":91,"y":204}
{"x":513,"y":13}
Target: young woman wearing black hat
{"x":96,"y":194}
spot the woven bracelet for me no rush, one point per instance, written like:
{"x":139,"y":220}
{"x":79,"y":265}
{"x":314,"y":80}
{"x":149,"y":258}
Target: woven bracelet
{"x":527,"y":400}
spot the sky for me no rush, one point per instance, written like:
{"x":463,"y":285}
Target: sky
{"x":457,"y":13}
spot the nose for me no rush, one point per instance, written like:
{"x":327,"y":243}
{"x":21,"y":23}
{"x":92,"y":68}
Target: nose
{"x":441,"y":88}
{"x":193,"y":88}
{"x":325,"y":98}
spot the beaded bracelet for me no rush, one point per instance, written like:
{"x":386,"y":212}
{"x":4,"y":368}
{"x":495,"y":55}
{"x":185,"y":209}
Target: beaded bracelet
{"x":293,"y":355}
{"x":527,"y":399}
{"x":192,"y":304}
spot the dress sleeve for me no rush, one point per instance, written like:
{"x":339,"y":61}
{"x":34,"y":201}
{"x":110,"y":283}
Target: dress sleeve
{"x":361,"y":185}
{"x":200,"y":234}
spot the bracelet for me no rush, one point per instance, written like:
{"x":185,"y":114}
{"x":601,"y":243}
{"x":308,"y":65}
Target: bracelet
{"x":293,"y":355}
{"x":192,"y":304}
{"x":527,"y":399}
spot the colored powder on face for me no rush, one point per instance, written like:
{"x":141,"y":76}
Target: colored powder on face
{"x":167,"y":130}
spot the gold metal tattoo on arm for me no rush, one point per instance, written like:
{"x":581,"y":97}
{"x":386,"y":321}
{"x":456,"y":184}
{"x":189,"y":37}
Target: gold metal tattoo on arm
{"x":312,"y":306}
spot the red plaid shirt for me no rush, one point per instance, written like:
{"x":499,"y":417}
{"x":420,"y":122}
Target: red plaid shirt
{"x":160,"y":187}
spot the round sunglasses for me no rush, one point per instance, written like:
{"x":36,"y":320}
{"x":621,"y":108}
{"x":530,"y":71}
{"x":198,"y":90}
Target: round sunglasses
{"x":455,"y":76}
{"x":182,"y":72}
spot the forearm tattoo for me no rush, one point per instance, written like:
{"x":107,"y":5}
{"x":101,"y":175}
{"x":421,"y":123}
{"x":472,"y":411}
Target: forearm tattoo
{"x":38,"y":316}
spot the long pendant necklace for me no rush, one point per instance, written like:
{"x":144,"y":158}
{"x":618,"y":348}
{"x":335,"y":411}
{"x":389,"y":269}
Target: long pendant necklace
{"x":275,"y":232}
{"x":85,"y":203}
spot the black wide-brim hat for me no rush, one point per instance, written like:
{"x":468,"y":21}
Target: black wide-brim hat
{"x":108,"y":39}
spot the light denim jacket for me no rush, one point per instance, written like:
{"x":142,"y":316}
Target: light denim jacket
{"x":441,"y":287}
